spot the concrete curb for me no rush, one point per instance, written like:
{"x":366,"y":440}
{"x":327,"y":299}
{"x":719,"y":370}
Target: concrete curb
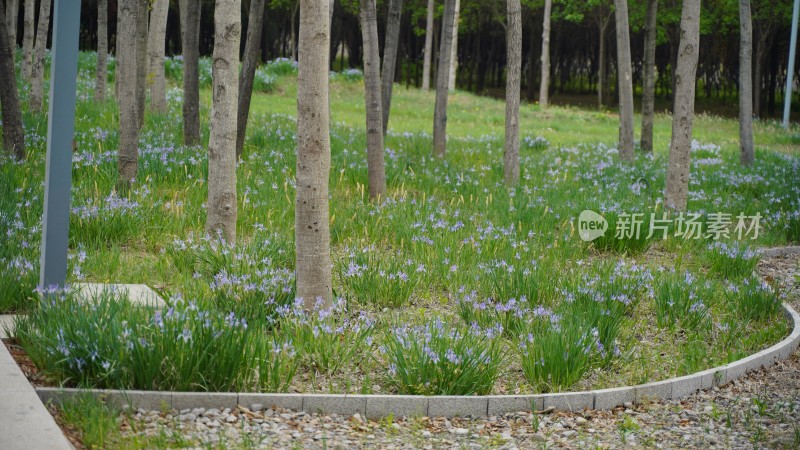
{"x":378,"y":406}
{"x":779,"y":251}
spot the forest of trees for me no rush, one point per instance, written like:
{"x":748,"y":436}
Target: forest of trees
{"x":582,"y":57}
{"x":480,"y":46}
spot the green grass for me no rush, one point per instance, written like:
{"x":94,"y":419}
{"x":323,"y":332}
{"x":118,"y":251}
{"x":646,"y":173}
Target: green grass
{"x":450,"y":242}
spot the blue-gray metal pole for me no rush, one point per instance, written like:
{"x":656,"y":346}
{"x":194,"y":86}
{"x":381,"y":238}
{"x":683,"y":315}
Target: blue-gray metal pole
{"x":787,"y":102}
{"x":60,"y":132}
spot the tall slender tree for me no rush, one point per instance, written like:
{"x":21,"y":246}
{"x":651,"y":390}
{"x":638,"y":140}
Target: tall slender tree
{"x":128,"y":152}
{"x":141,"y":59}
{"x":625,"y":82}
{"x":649,"y":77}
{"x":222,"y":208}
{"x":747,"y":153}
{"x":12,"y":13}
{"x":677,"y":190}
{"x":442,"y":79}
{"x":513,"y":79}
{"x":390,"y":58}
{"x":190,"y":40}
{"x":247,"y":76}
{"x":426,"y":62}
{"x":372,"y":97}
{"x":312,"y":220}
{"x":451,"y":80}
{"x":155,"y":52}
{"x":37,"y":72}
{"x":544,"y":84}
{"x":13,"y":133}
{"x":102,"y":51}
{"x":28,"y":33}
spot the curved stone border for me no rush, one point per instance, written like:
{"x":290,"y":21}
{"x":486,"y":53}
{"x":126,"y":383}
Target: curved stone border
{"x":779,"y":251}
{"x":379,"y":406}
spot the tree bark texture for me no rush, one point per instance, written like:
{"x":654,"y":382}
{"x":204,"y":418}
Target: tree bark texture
{"x":128,"y":153}
{"x":544,"y":84}
{"x":141,"y":60}
{"x":649,"y":80}
{"x":222,"y":208}
{"x":625,"y":82}
{"x":249,"y":65}
{"x":513,"y":80}
{"x":442,"y":79}
{"x":747,"y":152}
{"x":37,"y":71}
{"x":102,"y":51}
{"x":28,"y":33}
{"x":12,"y":13}
{"x":372,"y":96}
{"x":676,"y":193}
{"x":13,"y":132}
{"x":190,"y":39}
{"x":426,"y":62}
{"x":312,"y":221}
{"x":155,"y":50}
{"x":451,"y":81}
{"x":390,"y":58}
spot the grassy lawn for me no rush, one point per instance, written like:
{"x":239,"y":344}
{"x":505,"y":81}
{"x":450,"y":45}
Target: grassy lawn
{"x":455,"y":284}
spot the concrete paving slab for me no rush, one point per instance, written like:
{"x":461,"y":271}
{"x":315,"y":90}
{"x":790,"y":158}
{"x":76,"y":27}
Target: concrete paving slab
{"x":609,"y":398}
{"x":25,"y":424}
{"x":346,"y":405}
{"x":6,"y":326}
{"x":286,"y":401}
{"x":380,"y":406}
{"x":504,"y":404}
{"x":458,"y":406}
{"x":138,"y":294}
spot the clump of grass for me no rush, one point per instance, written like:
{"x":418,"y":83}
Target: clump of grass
{"x":679,"y":300}
{"x":276,"y":361}
{"x":264,"y":81}
{"x":536,"y":143}
{"x":109,"y":220}
{"x":96,"y":421}
{"x":281,"y":67}
{"x":437,"y":359}
{"x":326,"y":338}
{"x":348,"y":75}
{"x":557,"y":353}
{"x":753,"y":299}
{"x":731,"y":261}
{"x":382,"y":282}
{"x":622,"y":243}
{"x":107,"y":342}
{"x":511,"y":314}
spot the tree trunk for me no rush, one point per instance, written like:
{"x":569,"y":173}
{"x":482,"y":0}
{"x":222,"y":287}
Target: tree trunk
{"x":426,"y":64}
{"x":649,"y":81}
{"x":128,"y":153}
{"x":544,"y":83}
{"x":102,"y":51}
{"x":251,"y":47}
{"x":625,"y":82}
{"x":514,"y":58}
{"x":37,"y":72}
{"x":677,"y":189}
{"x":141,"y":60}
{"x":390,"y":58}
{"x":312,"y":221}
{"x":747,"y":155}
{"x":372,"y":96}
{"x":155,"y":50}
{"x":758,"y":77}
{"x":29,"y":24}
{"x":190,"y":39}
{"x":442,"y":79}
{"x":451,"y":81}
{"x":221,"y":219}
{"x":602,"y":75}
{"x":12,"y":13}
{"x":293,"y":24}
{"x":13,"y":132}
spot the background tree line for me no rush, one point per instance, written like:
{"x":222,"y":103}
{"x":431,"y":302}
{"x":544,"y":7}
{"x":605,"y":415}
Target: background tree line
{"x":582,"y":45}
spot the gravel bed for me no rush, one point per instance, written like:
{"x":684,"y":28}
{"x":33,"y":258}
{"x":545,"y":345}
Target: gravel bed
{"x":761,"y":410}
